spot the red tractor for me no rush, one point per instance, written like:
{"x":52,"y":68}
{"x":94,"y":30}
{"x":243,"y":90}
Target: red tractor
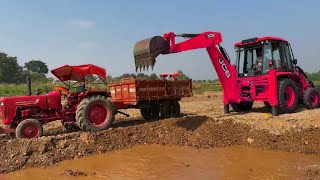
{"x":89,"y":110}
{"x":265,"y":70}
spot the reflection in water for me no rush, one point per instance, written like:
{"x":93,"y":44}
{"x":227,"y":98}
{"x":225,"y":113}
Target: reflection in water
{"x":165,"y":162}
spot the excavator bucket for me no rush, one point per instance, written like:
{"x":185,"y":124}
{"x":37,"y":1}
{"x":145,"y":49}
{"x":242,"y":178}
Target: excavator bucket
{"x":146,"y":51}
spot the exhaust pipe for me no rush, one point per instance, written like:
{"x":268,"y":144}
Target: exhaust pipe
{"x":28,"y":84}
{"x":146,"y":51}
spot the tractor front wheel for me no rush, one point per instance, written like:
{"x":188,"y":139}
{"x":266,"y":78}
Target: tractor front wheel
{"x":287,"y":96}
{"x":95,"y":113}
{"x":29,"y":128}
{"x":311,"y":98}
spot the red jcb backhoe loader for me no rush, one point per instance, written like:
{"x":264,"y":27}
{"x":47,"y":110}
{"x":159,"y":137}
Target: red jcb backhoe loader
{"x":265,"y":70}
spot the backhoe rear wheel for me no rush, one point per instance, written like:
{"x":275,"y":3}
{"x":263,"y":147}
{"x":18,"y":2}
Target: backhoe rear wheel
{"x":95,"y":113}
{"x":29,"y":128}
{"x":311,"y":98}
{"x":243,"y":106}
{"x":287,"y":96}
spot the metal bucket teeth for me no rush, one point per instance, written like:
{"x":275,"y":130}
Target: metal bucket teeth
{"x":146,"y":51}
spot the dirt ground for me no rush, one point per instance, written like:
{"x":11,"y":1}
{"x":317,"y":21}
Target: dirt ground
{"x":202,"y":125}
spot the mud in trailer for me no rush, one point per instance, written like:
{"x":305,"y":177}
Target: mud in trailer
{"x":155,"y":98}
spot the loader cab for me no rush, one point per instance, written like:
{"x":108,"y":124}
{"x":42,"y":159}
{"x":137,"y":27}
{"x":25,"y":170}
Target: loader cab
{"x":256,"y":56}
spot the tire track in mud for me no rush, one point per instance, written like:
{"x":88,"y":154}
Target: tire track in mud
{"x":194,"y":131}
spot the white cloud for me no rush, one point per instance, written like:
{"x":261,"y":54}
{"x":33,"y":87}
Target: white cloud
{"x":85,"y":45}
{"x":83,"y":24}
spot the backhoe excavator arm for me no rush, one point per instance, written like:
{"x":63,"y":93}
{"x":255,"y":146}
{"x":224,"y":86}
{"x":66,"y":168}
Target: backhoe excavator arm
{"x":146,"y":51}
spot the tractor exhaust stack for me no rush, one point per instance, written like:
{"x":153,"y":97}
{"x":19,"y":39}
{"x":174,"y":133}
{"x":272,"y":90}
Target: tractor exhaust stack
{"x":146,"y":51}
{"x":28,"y":85}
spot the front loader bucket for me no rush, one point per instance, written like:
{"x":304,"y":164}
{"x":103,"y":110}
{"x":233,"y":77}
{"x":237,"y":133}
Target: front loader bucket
{"x":146,"y":51}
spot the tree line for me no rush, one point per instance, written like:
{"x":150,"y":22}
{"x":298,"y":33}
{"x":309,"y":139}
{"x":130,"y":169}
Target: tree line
{"x":13,"y":73}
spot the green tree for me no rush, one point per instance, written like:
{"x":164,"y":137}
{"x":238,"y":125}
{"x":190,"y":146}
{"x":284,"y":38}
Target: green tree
{"x":141,"y":75}
{"x":183,"y":76}
{"x":10,"y":71}
{"x":37,"y":66}
{"x":153,"y":76}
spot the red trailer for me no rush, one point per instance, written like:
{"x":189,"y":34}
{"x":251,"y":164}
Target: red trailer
{"x":155,"y":98}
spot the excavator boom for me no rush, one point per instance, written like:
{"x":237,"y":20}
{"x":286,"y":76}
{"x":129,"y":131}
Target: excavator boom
{"x":146,"y":51}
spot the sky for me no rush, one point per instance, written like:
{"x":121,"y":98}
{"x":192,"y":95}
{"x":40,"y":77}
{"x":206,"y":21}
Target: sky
{"x":104,"y":32}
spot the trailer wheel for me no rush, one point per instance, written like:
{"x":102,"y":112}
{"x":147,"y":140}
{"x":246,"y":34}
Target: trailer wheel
{"x":95,"y":113}
{"x":287,"y":96}
{"x":29,"y":128}
{"x":311,"y":98}
{"x":151,"y":113}
{"x":70,"y":126}
{"x":164,"y":110}
{"x":243,"y":106}
{"x":174,"y":109}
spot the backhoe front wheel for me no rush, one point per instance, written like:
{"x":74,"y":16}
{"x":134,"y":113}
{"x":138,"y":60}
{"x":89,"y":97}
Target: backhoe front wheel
{"x":242,"y":107}
{"x":95,"y":113}
{"x":287,"y":96}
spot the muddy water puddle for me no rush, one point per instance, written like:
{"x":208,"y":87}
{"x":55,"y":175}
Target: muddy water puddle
{"x":167,"y":162}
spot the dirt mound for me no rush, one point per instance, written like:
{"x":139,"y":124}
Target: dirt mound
{"x":195,"y":131}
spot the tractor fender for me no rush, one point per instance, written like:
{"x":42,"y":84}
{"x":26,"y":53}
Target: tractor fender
{"x":97,"y":92}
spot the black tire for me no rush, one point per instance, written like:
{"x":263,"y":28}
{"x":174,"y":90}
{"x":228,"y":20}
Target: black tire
{"x":71,"y":127}
{"x":226,"y":109}
{"x":164,"y":110}
{"x":29,"y":128}
{"x":242,"y":107}
{"x":151,"y":113}
{"x":288,"y":96}
{"x":174,"y":109}
{"x":146,"y":113}
{"x":90,"y":115}
{"x":267,"y":104}
{"x":311,"y":98}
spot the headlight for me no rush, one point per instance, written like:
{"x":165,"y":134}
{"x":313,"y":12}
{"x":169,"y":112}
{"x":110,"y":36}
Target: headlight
{"x":1,"y":104}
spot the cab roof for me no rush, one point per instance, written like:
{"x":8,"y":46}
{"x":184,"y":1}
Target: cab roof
{"x":256,"y":40}
{"x":78,"y":73}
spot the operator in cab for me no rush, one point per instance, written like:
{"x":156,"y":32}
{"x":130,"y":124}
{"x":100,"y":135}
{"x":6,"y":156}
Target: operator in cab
{"x":258,"y":64}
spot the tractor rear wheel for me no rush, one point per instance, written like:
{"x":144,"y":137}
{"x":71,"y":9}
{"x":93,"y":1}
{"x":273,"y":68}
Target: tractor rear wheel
{"x":150,"y":113}
{"x":29,"y":128}
{"x":95,"y":113}
{"x":287,"y":96}
{"x":174,"y":109}
{"x":243,"y":106}
{"x":311,"y":98}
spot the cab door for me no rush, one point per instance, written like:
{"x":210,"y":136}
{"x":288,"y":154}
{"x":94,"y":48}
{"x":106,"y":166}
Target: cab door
{"x":286,"y":56}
